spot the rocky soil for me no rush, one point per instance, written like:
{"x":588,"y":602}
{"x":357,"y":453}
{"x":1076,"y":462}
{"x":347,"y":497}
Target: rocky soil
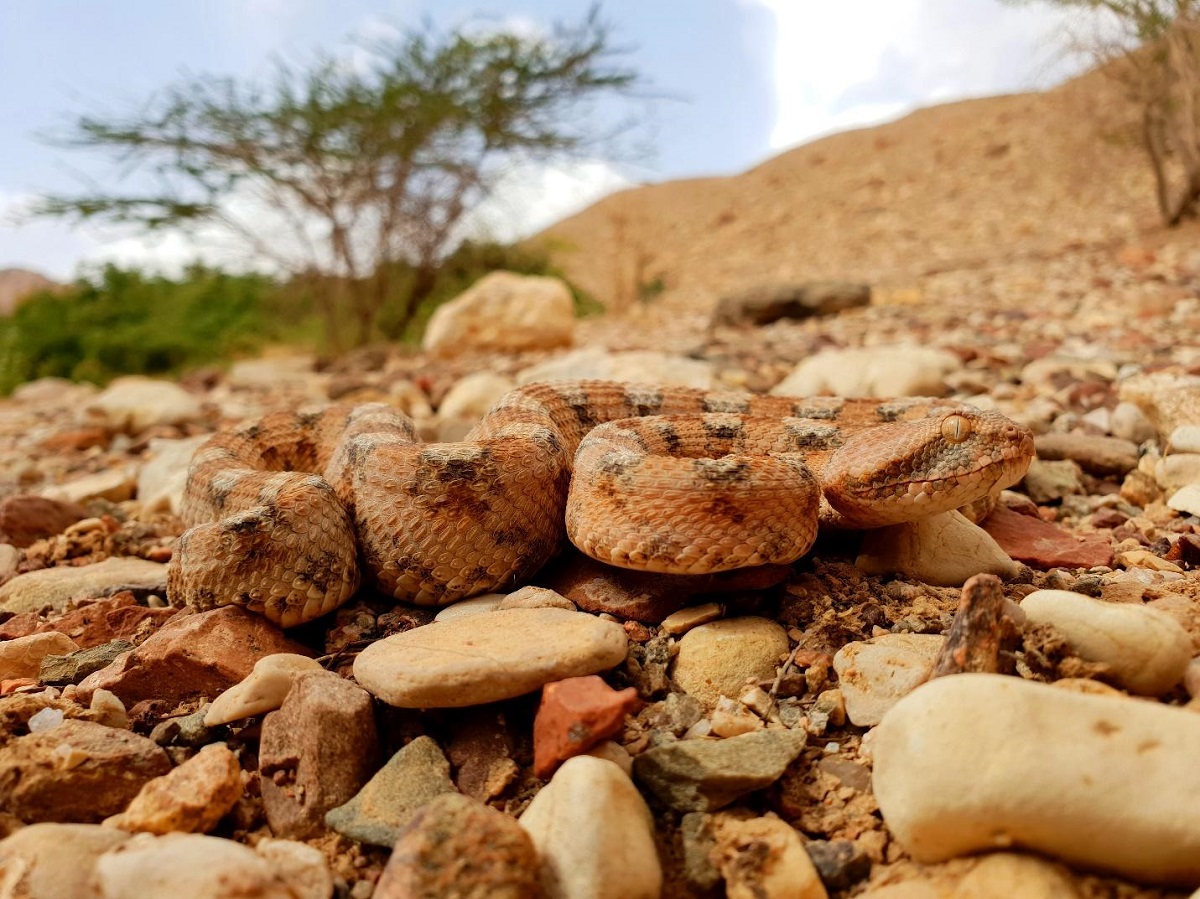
{"x":807,"y":731}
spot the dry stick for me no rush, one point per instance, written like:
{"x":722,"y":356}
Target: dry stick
{"x":985,"y":632}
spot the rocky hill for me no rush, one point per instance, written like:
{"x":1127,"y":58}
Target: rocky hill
{"x":18,"y":283}
{"x":944,"y":188}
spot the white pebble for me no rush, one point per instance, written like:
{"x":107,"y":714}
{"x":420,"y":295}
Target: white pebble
{"x":875,"y":674}
{"x":46,"y":719}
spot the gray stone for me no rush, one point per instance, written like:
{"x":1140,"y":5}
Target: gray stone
{"x":380,"y":811}
{"x":1046,"y":482}
{"x":1102,"y":456}
{"x":53,"y":587}
{"x":765,"y":304}
{"x":60,"y":670}
{"x":702,"y":775}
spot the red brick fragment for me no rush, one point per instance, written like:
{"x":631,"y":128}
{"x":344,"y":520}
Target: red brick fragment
{"x":575,"y":715}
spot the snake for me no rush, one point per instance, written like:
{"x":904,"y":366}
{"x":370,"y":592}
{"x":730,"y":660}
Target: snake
{"x":289,"y":514}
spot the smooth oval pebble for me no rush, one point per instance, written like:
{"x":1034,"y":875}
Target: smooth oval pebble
{"x":717,"y":659}
{"x":973,"y":762}
{"x":486,"y":658}
{"x":594,"y":834}
{"x":1147,"y":650}
{"x":263,"y":690}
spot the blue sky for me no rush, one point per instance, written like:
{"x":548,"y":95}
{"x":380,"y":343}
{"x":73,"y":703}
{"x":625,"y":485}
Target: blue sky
{"x":745,"y":78}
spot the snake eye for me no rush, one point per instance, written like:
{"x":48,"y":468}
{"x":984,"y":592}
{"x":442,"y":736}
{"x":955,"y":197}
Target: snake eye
{"x":956,"y":428}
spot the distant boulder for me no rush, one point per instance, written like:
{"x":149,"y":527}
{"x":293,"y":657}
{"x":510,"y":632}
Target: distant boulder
{"x":18,"y":283}
{"x":768,"y":303}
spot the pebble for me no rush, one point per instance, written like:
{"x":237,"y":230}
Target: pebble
{"x":191,"y":798}
{"x":1101,"y":456}
{"x":60,"y":670}
{"x":1005,"y":875}
{"x":945,"y":550}
{"x":536,"y":598}
{"x":301,"y":866}
{"x":703,"y":774}
{"x":763,"y":857}
{"x":505,"y":312}
{"x":1185,"y":439}
{"x":27,"y":517}
{"x":196,"y":654}
{"x":1129,"y":423}
{"x":134,"y":404}
{"x":23,"y":656}
{"x":54,"y":861}
{"x":594,"y":834}
{"x":471,"y":661}
{"x":1186,"y":500}
{"x":162,"y":477}
{"x":457,"y":848}
{"x":875,"y":674}
{"x":115,"y":485}
{"x":972,"y":762}
{"x":379,"y":812}
{"x":468,"y":607}
{"x":473,"y":395}
{"x":638,"y":366}
{"x":1043,"y":545}
{"x":574,"y":715}
{"x":684,"y":620}
{"x":189,"y":866}
{"x":263,"y":690}
{"x":731,"y":719}
{"x":1179,"y":470}
{"x":316,"y":752}
{"x":1145,"y":650}
{"x":1048,"y":482}
{"x":872,"y":371}
{"x":53,"y":587}
{"x":718,"y":659}
{"x":79,"y":771}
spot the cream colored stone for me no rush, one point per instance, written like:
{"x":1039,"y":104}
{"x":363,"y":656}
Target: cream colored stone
{"x":1184,"y":439}
{"x":485,"y":658}
{"x":689,"y":617}
{"x":503,"y":311}
{"x":763,"y":857}
{"x":535,"y":598}
{"x":162,"y":478}
{"x":615,"y":753}
{"x":594,"y":834}
{"x":1006,"y":875}
{"x":971,"y":762}
{"x":468,"y":607}
{"x":1186,"y":500}
{"x":135,"y":403}
{"x":115,"y":485}
{"x":53,"y":587}
{"x":473,"y":395}
{"x":1146,"y":650}
{"x":23,"y":656}
{"x":262,"y":691}
{"x":1177,"y":471}
{"x":303,"y":867}
{"x":634,"y":366}
{"x":732,"y":719}
{"x":291,"y":371}
{"x":187,"y":866}
{"x":944,"y":550}
{"x":874,"y":675}
{"x":900,"y":370}
{"x":717,"y":659}
{"x":54,"y":861}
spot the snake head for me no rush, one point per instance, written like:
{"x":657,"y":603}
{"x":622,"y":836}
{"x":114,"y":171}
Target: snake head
{"x":908,"y":470}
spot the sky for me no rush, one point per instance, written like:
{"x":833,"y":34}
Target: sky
{"x":730,"y":83}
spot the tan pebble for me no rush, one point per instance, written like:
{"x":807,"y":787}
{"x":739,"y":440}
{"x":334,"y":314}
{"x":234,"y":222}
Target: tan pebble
{"x":262,"y":691}
{"x":944,"y":550}
{"x":301,"y":866}
{"x":973,"y":762}
{"x":615,"y":753}
{"x":192,"y":798}
{"x":764,"y":858}
{"x":1142,"y":558}
{"x":535,"y":598}
{"x":594,"y":834}
{"x":875,"y":674}
{"x":467,"y":607}
{"x":693,"y":616}
{"x":719,"y":658}
{"x":730,"y":719}
{"x":54,"y":861}
{"x":1186,"y":500}
{"x":1145,"y":649}
{"x":23,"y":656}
{"x":111,"y":709}
{"x":1005,"y":875}
{"x":480,"y":659}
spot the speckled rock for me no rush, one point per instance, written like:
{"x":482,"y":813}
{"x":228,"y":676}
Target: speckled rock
{"x":763,"y":857}
{"x":316,"y":752}
{"x":718,"y":659}
{"x":79,"y":771}
{"x":191,"y":798}
{"x":457,"y":848}
{"x":970,"y":762}
{"x":594,"y":834}
{"x":876,"y":673}
{"x":485,"y":658}
{"x":52,"y":587}
{"x":378,"y":812}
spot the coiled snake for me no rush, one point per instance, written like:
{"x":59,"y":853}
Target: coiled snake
{"x":281,"y":512}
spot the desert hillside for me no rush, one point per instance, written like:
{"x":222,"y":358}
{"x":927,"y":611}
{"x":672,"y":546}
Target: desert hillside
{"x":18,"y":283}
{"x":944,"y":188}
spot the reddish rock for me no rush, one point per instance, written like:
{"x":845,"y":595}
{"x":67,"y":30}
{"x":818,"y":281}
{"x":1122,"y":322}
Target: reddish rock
{"x":1108,"y":518}
{"x":456,"y":848}
{"x":21,"y":625}
{"x":1043,"y":545}
{"x":78,"y":772}
{"x":200,"y":654}
{"x":316,"y":752}
{"x":481,"y":748}
{"x":25,"y":518}
{"x":575,"y":715}
{"x":78,"y":439}
{"x":117,"y":618}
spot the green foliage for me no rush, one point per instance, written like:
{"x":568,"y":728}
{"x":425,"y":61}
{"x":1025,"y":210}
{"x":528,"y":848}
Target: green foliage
{"x":125,"y":322}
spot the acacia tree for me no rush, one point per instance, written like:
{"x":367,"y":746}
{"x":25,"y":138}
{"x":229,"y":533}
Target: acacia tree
{"x":1152,"y":47}
{"x":363,"y":167}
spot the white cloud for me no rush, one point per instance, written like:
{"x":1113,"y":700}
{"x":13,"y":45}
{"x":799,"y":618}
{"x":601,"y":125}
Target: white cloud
{"x":839,"y":65}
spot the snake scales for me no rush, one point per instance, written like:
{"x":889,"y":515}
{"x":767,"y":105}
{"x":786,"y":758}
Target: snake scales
{"x":283,"y":511}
